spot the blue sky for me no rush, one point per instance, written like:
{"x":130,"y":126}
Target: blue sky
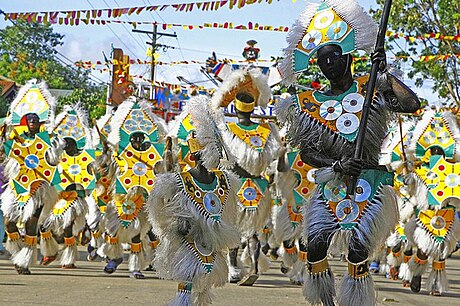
{"x":87,"y":42}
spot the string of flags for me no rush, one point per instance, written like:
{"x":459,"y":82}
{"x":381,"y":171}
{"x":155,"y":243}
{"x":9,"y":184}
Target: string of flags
{"x":128,"y":11}
{"x":90,"y":64}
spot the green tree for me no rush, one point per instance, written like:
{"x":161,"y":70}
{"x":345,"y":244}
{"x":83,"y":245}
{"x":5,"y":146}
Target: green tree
{"x":416,"y":18}
{"x":28,"y":50}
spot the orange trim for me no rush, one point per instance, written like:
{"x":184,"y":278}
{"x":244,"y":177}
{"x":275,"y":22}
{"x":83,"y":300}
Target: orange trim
{"x":111,"y":240}
{"x":266,"y":231}
{"x":439,"y":265}
{"x":303,"y":256}
{"x":136,"y":247}
{"x":96,"y":234}
{"x":420,"y":261}
{"x":70,"y":241}
{"x":407,"y":258}
{"x":46,"y":235}
{"x":154,"y":244}
{"x":397,"y":254}
{"x":13,"y":236}
{"x":291,"y":251}
{"x":318,"y":267}
{"x":30,"y":240}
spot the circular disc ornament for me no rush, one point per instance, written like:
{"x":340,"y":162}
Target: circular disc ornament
{"x":429,"y":137}
{"x":347,"y":123}
{"x":212,"y":203}
{"x":255,"y":141}
{"x":137,"y":115}
{"x":335,"y":191}
{"x":353,"y":103}
{"x":452,"y":180}
{"x":330,"y":110}
{"x":128,"y":207}
{"x":337,"y":30}
{"x":363,"y":190}
{"x":311,"y":40}
{"x":347,"y":211}
{"x":130,"y":125}
{"x":139,"y":169}
{"x":146,"y":125}
{"x":323,"y":19}
{"x":31,"y":161}
{"x":74,"y":169}
{"x":438,"y":222}
{"x":32,"y":97}
{"x":249,"y":193}
{"x":311,"y":175}
{"x":203,"y":248}
{"x":444,"y":137}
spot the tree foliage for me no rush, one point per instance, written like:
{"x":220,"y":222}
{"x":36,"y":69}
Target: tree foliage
{"x":28,"y":50}
{"x":416,"y":18}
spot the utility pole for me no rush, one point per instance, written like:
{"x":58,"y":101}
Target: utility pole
{"x":155,"y":36}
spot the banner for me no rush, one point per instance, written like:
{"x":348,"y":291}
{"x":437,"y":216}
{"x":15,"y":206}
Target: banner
{"x":118,"y":12}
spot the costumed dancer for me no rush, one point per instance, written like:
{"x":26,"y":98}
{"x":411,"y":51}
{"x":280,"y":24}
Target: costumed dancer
{"x":434,"y":229}
{"x":324,"y":125}
{"x":295,"y":183}
{"x":394,"y":155}
{"x":68,"y":216}
{"x":101,"y":195}
{"x":254,"y":146}
{"x":136,"y":135}
{"x":193,"y":212}
{"x":31,"y":168}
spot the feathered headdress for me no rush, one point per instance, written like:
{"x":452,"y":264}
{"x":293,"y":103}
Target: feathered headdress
{"x":338,"y":22}
{"x":72,"y":122}
{"x":250,"y":81}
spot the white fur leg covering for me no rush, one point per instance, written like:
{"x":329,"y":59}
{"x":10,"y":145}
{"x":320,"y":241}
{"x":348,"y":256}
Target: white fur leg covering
{"x":111,"y":250}
{"x":437,"y":281}
{"x":27,"y":256}
{"x":289,"y":259}
{"x":319,"y":287}
{"x":415,"y":268}
{"x":297,"y":274}
{"x":245,"y":257}
{"x":404,"y":272}
{"x":264,"y":263}
{"x":202,"y":298}
{"x":356,"y":291}
{"x":394,"y":261}
{"x":13,"y":245}
{"x":183,"y":296}
{"x":136,"y":261}
{"x":69,"y":255}
{"x":48,"y":245}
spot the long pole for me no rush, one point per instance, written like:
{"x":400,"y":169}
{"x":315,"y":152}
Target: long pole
{"x":152,"y":65}
{"x":379,"y":44}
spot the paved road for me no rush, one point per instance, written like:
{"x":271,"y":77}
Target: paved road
{"x":89,"y":285}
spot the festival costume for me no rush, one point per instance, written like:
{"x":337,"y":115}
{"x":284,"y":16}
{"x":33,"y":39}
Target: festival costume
{"x":434,"y":229}
{"x":394,"y":156}
{"x":254,"y":148}
{"x":31,"y":171}
{"x":295,"y":185}
{"x":193,"y":219}
{"x":327,"y":125}
{"x":78,"y":181}
{"x":125,"y":216}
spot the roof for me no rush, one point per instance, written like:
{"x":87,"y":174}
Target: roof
{"x":6,"y":86}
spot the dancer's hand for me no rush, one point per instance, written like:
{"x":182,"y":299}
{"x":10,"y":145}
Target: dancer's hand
{"x":379,"y":56}
{"x":348,"y":166}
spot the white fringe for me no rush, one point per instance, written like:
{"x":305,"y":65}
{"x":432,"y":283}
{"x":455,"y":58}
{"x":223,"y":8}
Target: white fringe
{"x":136,"y":261}
{"x":437,"y":281}
{"x":49,"y":247}
{"x":415,"y":269}
{"x":181,"y":299}
{"x":404,"y":272}
{"x":26,"y":257}
{"x":69,"y":255}
{"x":298,"y":272}
{"x":319,"y":287}
{"x":356,"y":291}
{"x":264,"y":263}
{"x":13,"y":246}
